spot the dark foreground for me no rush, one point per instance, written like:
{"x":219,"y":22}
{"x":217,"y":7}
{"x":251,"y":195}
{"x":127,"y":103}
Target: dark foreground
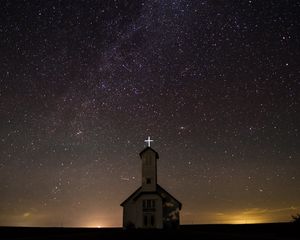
{"x":272,"y":231}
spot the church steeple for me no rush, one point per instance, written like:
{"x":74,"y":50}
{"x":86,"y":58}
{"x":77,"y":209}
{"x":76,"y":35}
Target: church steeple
{"x":149,"y":168}
{"x":150,"y":206}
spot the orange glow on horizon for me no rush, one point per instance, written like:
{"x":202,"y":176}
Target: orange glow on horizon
{"x":242,"y":219}
{"x":255,"y":215}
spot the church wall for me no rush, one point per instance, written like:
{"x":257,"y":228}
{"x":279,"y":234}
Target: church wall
{"x":129,"y":215}
{"x":157,"y":213}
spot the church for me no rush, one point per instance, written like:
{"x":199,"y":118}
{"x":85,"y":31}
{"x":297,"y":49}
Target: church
{"x":150,"y":206}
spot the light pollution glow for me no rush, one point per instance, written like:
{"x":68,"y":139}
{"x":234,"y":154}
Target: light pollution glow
{"x":246,"y":216}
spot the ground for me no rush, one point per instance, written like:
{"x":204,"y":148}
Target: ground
{"x":247,"y":231}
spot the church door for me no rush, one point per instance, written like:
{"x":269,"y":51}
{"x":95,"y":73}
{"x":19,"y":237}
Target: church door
{"x":149,"y":213}
{"x":149,"y":220}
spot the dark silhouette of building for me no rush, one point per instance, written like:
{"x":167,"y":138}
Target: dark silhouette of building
{"x":150,"y":206}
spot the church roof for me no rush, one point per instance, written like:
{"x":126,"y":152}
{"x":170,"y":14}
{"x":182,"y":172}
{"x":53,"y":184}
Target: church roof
{"x":149,"y":149}
{"x":159,"y":191}
{"x":135,"y":193}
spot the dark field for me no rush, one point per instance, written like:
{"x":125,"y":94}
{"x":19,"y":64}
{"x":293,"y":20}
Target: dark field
{"x":250,"y":231}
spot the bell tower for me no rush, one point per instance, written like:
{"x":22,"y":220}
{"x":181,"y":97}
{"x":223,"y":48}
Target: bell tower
{"x":149,"y":168}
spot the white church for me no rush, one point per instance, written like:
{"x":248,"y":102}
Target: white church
{"x":150,"y":206}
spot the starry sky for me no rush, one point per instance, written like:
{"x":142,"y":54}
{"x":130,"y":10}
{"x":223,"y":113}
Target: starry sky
{"x":83,"y":83}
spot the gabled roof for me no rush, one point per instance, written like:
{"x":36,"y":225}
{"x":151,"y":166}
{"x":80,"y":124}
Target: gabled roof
{"x":159,"y":191}
{"x":149,"y":149}
{"x":136,"y":192}
{"x":162,"y":190}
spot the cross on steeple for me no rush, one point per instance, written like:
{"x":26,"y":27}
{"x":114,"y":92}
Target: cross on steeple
{"x":148,"y":141}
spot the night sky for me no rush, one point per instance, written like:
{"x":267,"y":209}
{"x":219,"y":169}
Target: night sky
{"x":215,"y":83}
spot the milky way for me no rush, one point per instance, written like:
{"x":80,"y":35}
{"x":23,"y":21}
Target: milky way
{"x":214,"y":83}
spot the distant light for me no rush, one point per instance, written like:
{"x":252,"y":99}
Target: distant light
{"x":27,"y":214}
